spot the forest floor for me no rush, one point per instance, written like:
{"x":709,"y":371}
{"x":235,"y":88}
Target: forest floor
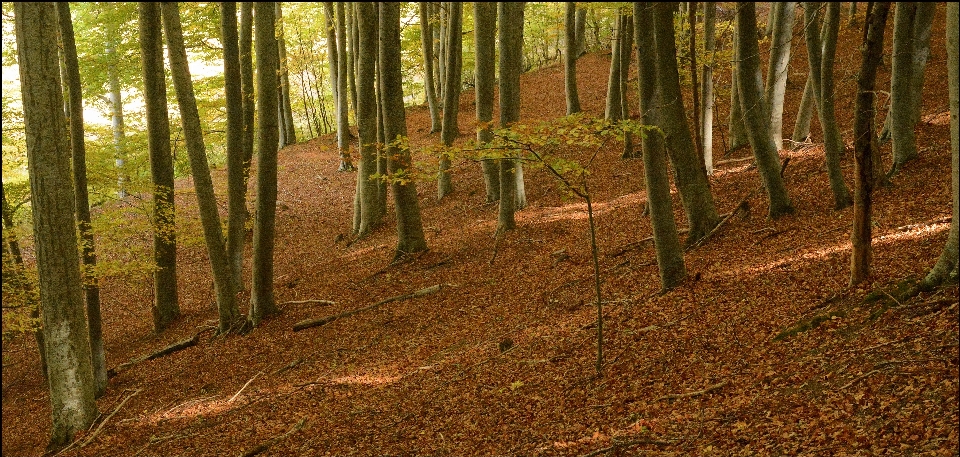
{"x":501,"y":360}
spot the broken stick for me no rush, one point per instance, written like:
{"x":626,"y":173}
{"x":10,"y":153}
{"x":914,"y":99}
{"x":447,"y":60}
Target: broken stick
{"x":309,"y":323}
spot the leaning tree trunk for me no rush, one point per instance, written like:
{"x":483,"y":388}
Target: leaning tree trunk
{"x":946,"y":268}
{"x":821,"y":79}
{"x":410,"y":238}
{"x":165,"y":306}
{"x":570,"y":58}
{"x":901,"y":77}
{"x":801,"y":129}
{"x":755,"y":116}
{"x":91,"y":288}
{"x":262,"y":300}
{"x":451,"y":93}
{"x":666,"y":239}
{"x":485,"y":61}
{"x":429,"y":85}
{"x":777,"y":68}
{"x":865,"y":140}
{"x":690,"y":174}
{"x":70,"y":373}
{"x":229,"y":312}
{"x":706,"y":91}
{"x":367,"y":199}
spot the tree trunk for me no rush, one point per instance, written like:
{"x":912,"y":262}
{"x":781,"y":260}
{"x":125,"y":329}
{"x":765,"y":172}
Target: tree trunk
{"x":821,"y":64}
{"x":865,"y":140}
{"x":262,"y":301}
{"x":613,"y":109}
{"x":581,"y":33}
{"x":367,"y":195}
{"x":777,"y":68}
{"x":429,"y":85}
{"x":737,"y":130}
{"x":485,"y":36}
{"x":343,"y":113}
{"x":236,"y":137}
{"x":626,"y":47}
{"x":901,"y":85}
{"x":286,"y":108}
{"x":512,"y":195}
{"x":71,"y":379}
{"x":755,"y":116}
{"x":666,"y":239}
{"x":116,"y":116}
{"x":691,"y":177}
{"x":91,"y":288}
{"x":691,"y":14}
{"x":946,"y":267}
{"x":922,"y":29}
{"x":410,"y":238}
{"x":801,"y":129}
{"x":451,"y":94}
{"x":229,"y":313}
{"x":706,"y":91}
{"x":165,"y":306}
{"x":351,"y":54}
{"x":570,"y":58}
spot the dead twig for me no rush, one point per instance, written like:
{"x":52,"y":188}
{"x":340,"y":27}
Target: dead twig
{"x":175,"y":347}
{"x":309,"y":323}
{"x":303,"y":302}
{"x":270,"y":442}
{"x":100,"y":427}
{"x":695,"y":393}
{"x":234,"y":397}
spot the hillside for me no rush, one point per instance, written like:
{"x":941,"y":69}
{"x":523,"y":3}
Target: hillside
{"x":500,"y":361}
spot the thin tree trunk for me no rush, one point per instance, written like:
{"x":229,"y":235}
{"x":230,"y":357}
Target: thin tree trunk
{"x":485,"y":26}
{"x":451,"y":94}
{"x":865,"y":141}
{"x":801,"y":129}
{"x":737,"y":130}
{"x":429,"y":85}
{"x":262,"y":300}
{"x":694,"y":85}
{"x":286,"y":107}
{"x":626,"y":47}
{"x":367,"y":195}
{"x":71,"y":380}
{"x":901,"y":84}
{"x":165,"y":306}
{"x":512,"y":195}
{"x":706,"y":92}
{"x":570,"y":58}
{"x":91,"y":287}
{"x":116,"y":116}
{"x":581,"y":25}
{"x":236,"y":136}
{"x":776,"y":84}
{"x":343,"y":120}
{"x":755,"y":116}
{"x":351,"y":55}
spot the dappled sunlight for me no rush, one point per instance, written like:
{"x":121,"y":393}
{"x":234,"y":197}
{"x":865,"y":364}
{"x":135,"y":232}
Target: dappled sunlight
{"x":578,"y":210}
{"x":907,"y":233}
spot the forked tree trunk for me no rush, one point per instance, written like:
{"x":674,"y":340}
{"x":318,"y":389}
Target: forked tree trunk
{"x":165,"y":304}
{"x":755,"y":116}
{"x":262,"y":300}
{"x":666,"y":239}
{"x":70,"y":374}
{"x":865,"y":141}
{"x":485,"y":60}
{"x":91,"y":288}
{"x":229,"y":312}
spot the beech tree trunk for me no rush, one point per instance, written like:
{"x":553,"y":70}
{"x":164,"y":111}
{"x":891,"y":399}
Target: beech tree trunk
{"x":116,"y":120}
{"x":70,"y":373}
{"x":289,"y":133}
{"x":229,"y":313}
{"x":485,"y":37}
{"x":262,"y":300}
{"x":706,"y":88}
{"x":581,"y":26}
{"x":755,"y":116}
{"x":901,"y":78}
{"x":351,"y":54}
{"x":429,"y":85}
{"x":865,"y":141}
{"x":512,"y":195}
{"x":691,"y":177}
{"x":801,"y":129}
{"x":613,"y":109}
{"x":776,"y":84}
{"x":450,"y":129}
{"x":165,"y":303}
{"x":343,"y":113}
{"x":236,"y":136}
{"x":737,"y":130}
{"x":367,"y":201}
{"x":410,"y":238}
{"x":91,"y":287}
{"x":665,"y":236}
{"x":570,"y":55}
{"x":626,"y":46}
{"x":946,"y":268}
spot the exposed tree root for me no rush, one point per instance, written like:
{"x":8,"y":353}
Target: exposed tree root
{"x":270,"y":442}
{"x":175,"y":347}
{"x":305,"y":324}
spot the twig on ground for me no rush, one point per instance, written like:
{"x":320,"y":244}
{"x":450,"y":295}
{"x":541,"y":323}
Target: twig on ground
{"x":100,"y":427}
{"x":270,"y":442}
{"x":234,"y":397}
{"x":175,"y":347}
{"x":618,"y":445}
{"x":695,"y":393}
{"x":303,"y":302}
{"x":305,"y":324}
{"x":859,"y":378}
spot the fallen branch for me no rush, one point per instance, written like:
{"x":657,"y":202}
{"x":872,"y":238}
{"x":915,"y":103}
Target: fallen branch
{"x":859,"y":378}
{"x":270,"y":442}
{"x":742,"y":206}
{"x":619,"y":445}
{"x":175,"y":347}
{"x":100,"y":427}
{"x":303,"y":302}
{"x":696,"y":393}
{"x":309,"y":323}
{"x":234,"y":397}
{"x":737,"y":160}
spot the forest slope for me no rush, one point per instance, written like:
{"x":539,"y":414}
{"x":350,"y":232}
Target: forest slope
{"x":500,"y":361}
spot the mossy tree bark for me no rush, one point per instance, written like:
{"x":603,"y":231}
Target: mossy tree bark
{"x":70,"y":373}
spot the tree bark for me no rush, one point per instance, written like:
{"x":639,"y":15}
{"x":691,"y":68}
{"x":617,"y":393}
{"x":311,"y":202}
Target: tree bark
{"x":116,"y":116}
{"x":706,"y":91}
{"x":865,"y":141}
{"x":581,"y":26}
{"x":429,"y":85}
{"x":737,"y":130}
{"x":262,"y":300}
{"x":512,"y":195}
{"x":570,"y":58}
{"x":70,"y":373}
{"x":485,"y":26}
{"x":776,"y":84}
{"x":946,"y":268}
{"x":236,"y":164}
{"x":367,"y":199}
{"x":289,"y":134}
{"x":755,"y":116}
{"x":691,"y":177}
{"x":165,"y":306}
{"x":91,"y":288}
{"x":901,"y":78}
{"x":410,"y":238}
{"x":343,"y":113}
{"x":666,"y":239}
{"x":351,"y":54}
{"x":451,"y":94}
{"x":626,"y":47}
{"x":613,"y":109}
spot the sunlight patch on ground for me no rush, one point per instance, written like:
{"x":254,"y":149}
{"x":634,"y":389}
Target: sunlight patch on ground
{"x":908,"y":233}
{"x":577,"y":211}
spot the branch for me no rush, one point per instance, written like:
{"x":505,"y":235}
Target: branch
{"x":175,"y":347}
{"x":100,"y":427}
{"x":305,"y":324}
{"x":696,"y":393}
{"x":234,"y":397}
{"x":270,"y":442}
{"x":301,"y":302}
